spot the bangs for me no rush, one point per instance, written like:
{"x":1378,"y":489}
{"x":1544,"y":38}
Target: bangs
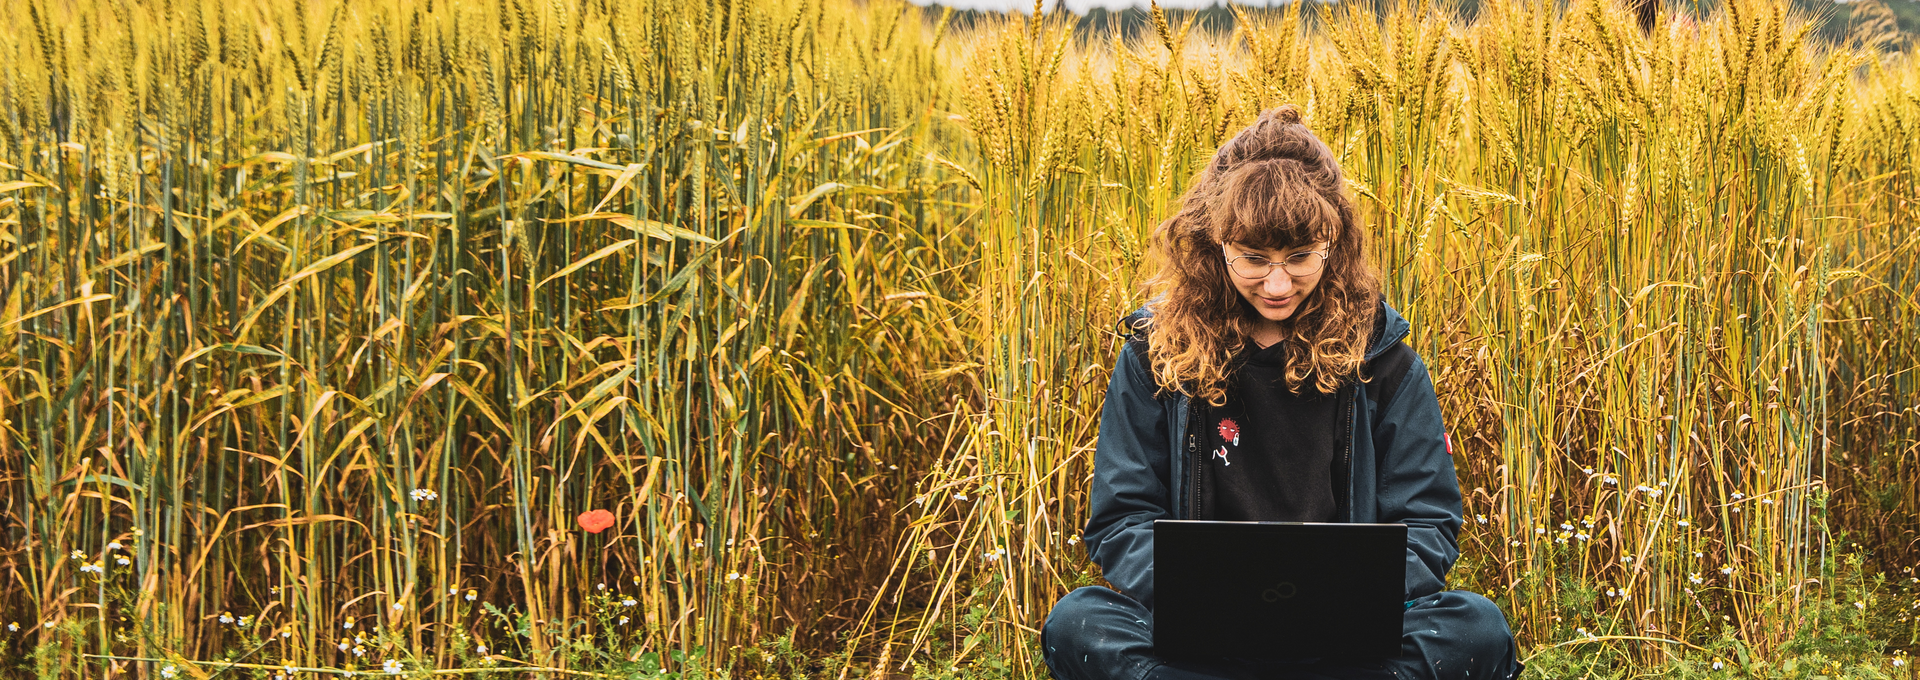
{"x":1273,"y":205}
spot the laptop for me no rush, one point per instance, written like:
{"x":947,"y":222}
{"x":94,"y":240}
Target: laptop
{"x":1278,"y":589}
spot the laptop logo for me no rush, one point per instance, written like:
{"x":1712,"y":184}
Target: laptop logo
{"x":1283,"y":590}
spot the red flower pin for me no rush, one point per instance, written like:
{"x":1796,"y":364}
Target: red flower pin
{"x":595,"y":521}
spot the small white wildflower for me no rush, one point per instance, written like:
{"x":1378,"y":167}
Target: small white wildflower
{"x":697,"y":543}
{"x":1626,"y":558}
{"x":114,"y":545}
{"x":92,"y":567}
{"x":13,"y":627}
{"x":1737,"y":495}
{"x":1695,"y":577}
{"x":1860,"y":605}
{"x":1073,"y":540}
{"x":1587,"y":470}
{"x":1540,"y":531}
{"x":122,"y":560}
{"x":1766,"y":501}
{"x":1682,"y":523}
{"x":990,"y":557}
{"x":169,"y":671}
{"x":455,"y":590}
{"x":1717,"y":665}
{"x":423,"y":495}
{"x":1480,"y":518}
{"x":78,"y":555}
{"x":1582,"y":536}
{"x":629,"y":602}
{"x":226,"y":617}
{"x":347,"y":623}
{"x":392,"y":667}
{"x":960,"y":496}
{"x":1611,"y":480}
{"x":472,"y":595}
{"x":1897,"y":661}
{"x":733,"y":576}
{"x":344,"y":646}
{"x":623,"y":620}
{"x":1727,"y":569}
{"x":1514,"y":543}
{"x":399,"y":607}
{"x":1566,"y":527}
{"x":243,"y":621}
{"x":1610,"y":592}
{"x":600,"y":586}
{"x":480,"y":649}
{"x":359,"y":651}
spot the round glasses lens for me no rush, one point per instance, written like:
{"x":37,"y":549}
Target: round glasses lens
{"x":1305,"y":264}
{"x":1250,"y":267}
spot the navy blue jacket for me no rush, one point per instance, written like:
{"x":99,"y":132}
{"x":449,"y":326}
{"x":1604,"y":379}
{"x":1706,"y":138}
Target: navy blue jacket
{"x":1400,"y":469}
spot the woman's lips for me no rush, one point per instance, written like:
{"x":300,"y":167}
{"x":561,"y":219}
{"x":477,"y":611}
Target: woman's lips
{"x":1270,"y":302}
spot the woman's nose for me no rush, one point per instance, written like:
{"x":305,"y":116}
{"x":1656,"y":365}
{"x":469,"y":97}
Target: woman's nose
{"x":1277,"y":284}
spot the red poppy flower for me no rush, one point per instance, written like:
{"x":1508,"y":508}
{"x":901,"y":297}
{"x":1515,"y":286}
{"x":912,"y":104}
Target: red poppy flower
{"x":595,"y":521}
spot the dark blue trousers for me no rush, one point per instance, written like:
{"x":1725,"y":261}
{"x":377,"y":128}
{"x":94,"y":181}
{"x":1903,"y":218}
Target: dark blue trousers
{"x":1095,"y":633}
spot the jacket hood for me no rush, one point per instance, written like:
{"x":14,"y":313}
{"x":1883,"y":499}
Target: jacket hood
{"x":1389,"y":327}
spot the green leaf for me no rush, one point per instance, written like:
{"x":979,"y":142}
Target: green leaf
{"x":565,"y":158}
{"x":659,"y":230}
{"x":225,"y":347}
{"x":590,"y":259}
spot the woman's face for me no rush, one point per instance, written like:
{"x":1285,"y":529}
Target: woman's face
{"x":1278,"y":294}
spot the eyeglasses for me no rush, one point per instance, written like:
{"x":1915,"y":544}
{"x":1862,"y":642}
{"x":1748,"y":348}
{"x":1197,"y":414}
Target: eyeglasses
{"x":1299,"y":264}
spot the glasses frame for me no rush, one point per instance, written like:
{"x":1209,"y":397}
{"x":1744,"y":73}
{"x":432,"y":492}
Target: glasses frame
{"x":1272,"y":265}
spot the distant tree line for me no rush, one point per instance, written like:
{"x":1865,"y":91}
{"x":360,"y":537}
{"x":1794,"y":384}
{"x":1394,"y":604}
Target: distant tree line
{"x":1887,"y":25}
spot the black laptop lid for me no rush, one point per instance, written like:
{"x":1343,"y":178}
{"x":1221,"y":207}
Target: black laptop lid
{"x":1278,"y":589}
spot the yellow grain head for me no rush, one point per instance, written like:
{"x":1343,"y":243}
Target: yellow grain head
{"x":1160,"y":27}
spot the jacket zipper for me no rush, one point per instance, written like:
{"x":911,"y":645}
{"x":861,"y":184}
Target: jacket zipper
{"x":1346,"y":455}
{"x":1193,"y":465}
{"x":1193,"y":475}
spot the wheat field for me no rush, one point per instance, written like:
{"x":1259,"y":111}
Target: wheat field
{"x":587,"y":338}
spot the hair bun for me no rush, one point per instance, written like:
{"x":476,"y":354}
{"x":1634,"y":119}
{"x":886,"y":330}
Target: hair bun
{"x":1287,"y":114}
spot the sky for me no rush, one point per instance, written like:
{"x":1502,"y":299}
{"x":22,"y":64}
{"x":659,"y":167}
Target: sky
{"x":1081,"y":6}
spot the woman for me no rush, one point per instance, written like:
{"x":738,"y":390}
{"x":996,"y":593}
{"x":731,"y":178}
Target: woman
{"x":1268,"y":381}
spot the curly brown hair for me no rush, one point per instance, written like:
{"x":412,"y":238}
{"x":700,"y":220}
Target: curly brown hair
{"x":1272,"y":186}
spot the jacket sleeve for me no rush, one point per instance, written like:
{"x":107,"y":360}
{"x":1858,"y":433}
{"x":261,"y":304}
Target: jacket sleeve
{"x":1131,"y":487}
{"x":1417,"y":483}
